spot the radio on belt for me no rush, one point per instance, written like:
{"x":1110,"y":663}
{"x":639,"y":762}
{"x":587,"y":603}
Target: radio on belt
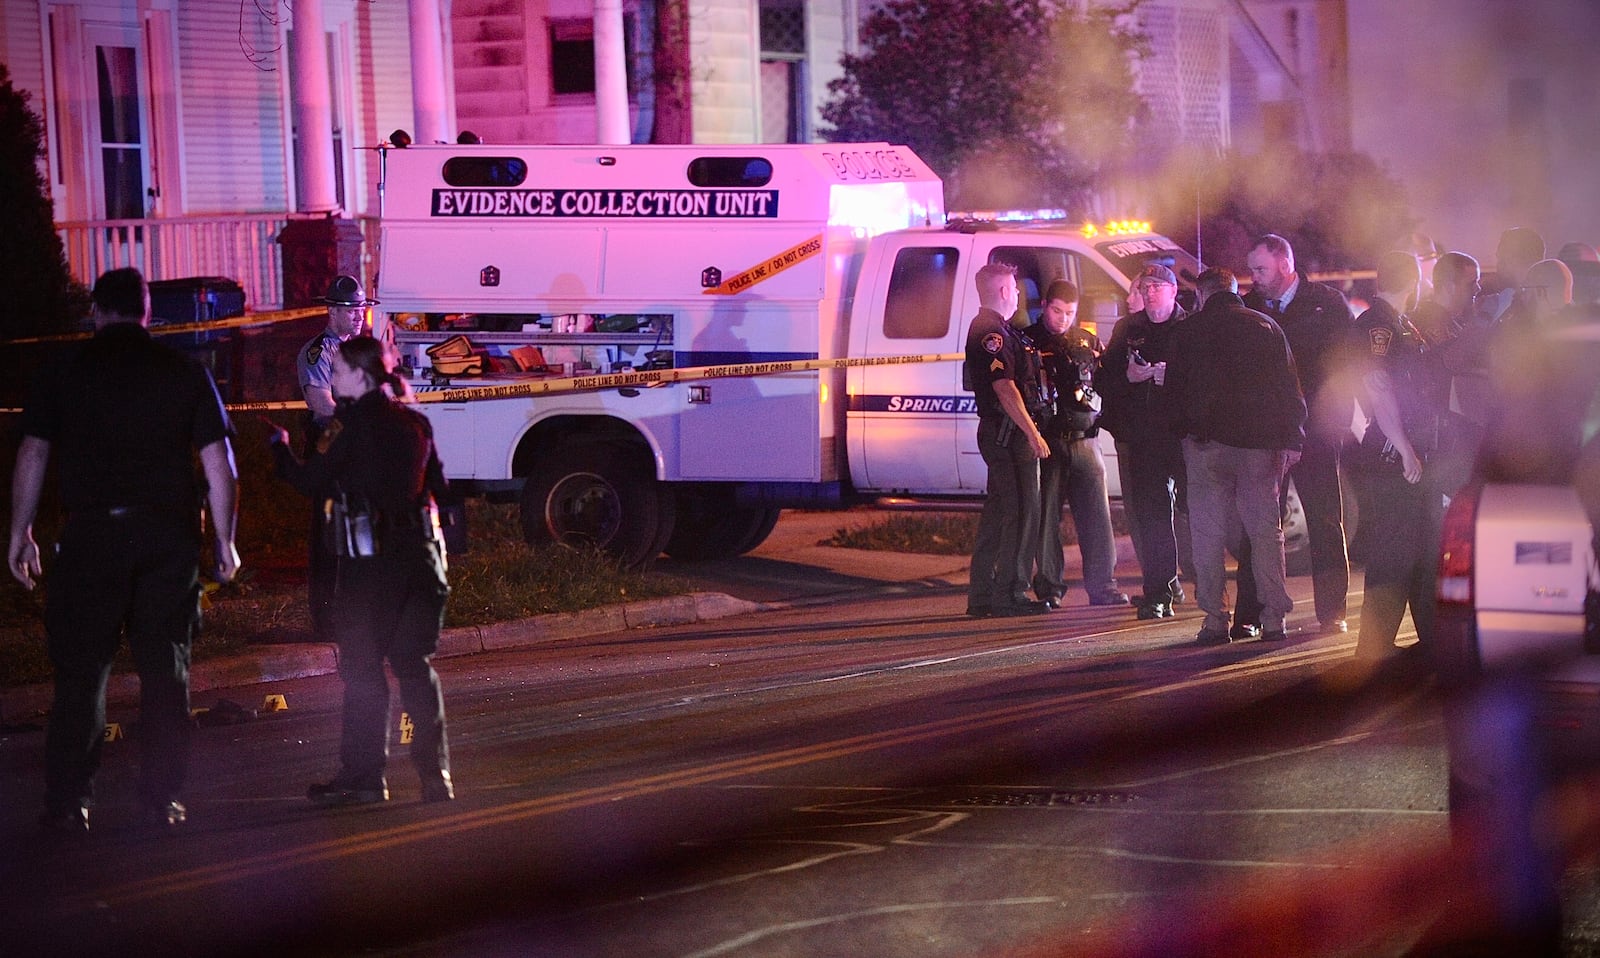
{"x":741,"y":258}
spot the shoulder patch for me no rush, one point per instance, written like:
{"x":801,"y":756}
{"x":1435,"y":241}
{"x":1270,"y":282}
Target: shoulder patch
{"x":993,"y":343}
{"x":1379,"y":338}
{"x":313,"y":353}
{"x":996,"y":365}
{"x":330,"y":432}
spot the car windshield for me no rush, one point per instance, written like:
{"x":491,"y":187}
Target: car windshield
{"x":1130,"y":255}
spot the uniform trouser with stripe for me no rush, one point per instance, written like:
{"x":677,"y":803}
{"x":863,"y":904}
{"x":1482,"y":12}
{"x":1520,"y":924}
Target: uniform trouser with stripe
{"x":1008,"y":527}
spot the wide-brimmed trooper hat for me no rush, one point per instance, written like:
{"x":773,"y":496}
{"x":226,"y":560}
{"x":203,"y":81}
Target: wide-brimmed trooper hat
{"x":347,"y":291}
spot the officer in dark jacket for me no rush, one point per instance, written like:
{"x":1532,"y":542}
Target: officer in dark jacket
{"x":1316,"y":319}
{"x":379,"y":459}
{"x":1136,"y":411}
{"x":1075,"y":473}
{"x":124,"y":416}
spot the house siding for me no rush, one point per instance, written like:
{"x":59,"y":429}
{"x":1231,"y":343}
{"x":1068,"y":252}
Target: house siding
{"x":723,"y":40}
{"x":235,"y":158}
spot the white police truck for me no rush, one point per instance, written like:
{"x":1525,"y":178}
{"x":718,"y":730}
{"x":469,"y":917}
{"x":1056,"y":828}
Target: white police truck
{"x":574,"y":279}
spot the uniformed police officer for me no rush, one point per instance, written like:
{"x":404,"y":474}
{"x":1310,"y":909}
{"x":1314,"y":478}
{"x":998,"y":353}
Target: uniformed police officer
{"x":1405,"y":394}
{"x":1002,"y":369}
{"x":347,"y":315}
{"x":1075,"y":473}
{"x":124,"y":415}
{"x":376,"y":474}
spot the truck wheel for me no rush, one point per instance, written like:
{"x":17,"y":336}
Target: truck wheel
{"x":720,"y":533}
{"x":596,"y":495}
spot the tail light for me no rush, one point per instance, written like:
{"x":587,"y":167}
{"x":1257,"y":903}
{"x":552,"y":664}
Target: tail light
{"x":1456,"y":547}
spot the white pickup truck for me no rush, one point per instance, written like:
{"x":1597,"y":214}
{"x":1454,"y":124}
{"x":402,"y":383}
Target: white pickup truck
{"x":578,"y":260}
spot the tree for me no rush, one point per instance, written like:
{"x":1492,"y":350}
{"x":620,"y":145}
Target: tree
{"x":1339,"y":210}
{"x":1013,"y":102}
{"x":40,"y":294}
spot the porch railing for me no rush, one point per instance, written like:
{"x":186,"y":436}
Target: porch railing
{"x":241,"y":247}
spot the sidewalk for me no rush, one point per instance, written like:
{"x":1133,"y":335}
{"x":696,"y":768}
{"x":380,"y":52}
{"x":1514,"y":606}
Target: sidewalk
{"x":788,"y":570}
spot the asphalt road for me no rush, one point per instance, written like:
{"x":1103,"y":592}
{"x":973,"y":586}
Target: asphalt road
{"x":859,"y":771}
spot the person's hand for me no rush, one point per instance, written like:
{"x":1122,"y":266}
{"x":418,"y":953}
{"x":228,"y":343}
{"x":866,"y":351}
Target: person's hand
{"x":24,"y":560}
{"x":1139,"y":372}
{"x":1290,"y":457}
{"x":275,"y":433}
{"x":1410,"y":465}
{"x":228,"y":562}
{"x":1041,"y":449}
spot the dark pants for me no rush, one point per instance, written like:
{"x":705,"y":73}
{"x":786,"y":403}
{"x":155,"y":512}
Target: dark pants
{"x":1402,"y":558}
{"x":390,"y":607}
{"x":321,"y":570}
{"x":1008,"y":527}
{"x":137,"y":574}
{"x":1316,"y":479}
{"x":1158,"y":485}
{"x":1075,"y":475}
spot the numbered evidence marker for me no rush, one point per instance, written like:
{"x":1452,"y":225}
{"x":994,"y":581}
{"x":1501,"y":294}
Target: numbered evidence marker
{"x":407,"y":728}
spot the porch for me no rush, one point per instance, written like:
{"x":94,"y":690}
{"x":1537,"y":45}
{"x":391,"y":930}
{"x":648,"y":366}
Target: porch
{"x":243,"y":248}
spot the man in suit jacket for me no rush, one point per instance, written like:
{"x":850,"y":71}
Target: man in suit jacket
{"x":1316,"y":320}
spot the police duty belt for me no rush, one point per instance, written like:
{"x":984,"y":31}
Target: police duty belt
{"x":648,"y":378}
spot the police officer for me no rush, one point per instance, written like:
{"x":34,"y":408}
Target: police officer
{"x":347,"y":315}
{"x":1002,"y":369}
{"x":124,"y":414}
{"x":1405,"y":393}
{"x":1136,"y":411}
{"x":378,"y":459}
{"x":1075,"y":473}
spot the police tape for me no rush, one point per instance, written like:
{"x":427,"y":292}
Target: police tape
{"x":649,"y":378}
{"x":209,"y":326}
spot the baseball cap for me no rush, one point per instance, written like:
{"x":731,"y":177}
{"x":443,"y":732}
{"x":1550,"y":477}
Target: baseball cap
{"x":1156,"y":272}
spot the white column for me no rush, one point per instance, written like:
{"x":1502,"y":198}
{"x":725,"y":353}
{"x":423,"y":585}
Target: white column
{"x":427,"y":74}
{"x":313,"y":111}
{"x":610,"y":73}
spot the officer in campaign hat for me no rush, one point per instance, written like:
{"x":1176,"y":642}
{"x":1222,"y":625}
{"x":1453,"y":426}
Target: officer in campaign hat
{"x":347,"y":316}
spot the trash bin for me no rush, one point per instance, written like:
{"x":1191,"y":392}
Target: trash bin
{"x":196,"y":299}
{"x":200,"y":299}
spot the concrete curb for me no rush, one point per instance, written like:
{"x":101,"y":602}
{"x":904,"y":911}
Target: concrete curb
{"x":277,"y":663}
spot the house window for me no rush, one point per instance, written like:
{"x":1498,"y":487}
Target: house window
{"x":121,"y":135}
{"x":572,"y":57}
{"x":783,"y":73}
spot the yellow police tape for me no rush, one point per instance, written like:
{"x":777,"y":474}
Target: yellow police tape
{"x":212,"y":325}
{"x":638,"y":377}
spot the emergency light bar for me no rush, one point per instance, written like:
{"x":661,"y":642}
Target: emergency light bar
{"x":1115,"y":228}
{"x":1006,"y":216}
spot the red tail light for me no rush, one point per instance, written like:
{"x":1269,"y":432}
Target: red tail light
{"x":1456,"y":546}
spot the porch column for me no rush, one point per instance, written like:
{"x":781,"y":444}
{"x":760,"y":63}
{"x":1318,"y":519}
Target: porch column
{"x":312,"y":110}
{"x":427,"y":73}
{"x":610,"y":73}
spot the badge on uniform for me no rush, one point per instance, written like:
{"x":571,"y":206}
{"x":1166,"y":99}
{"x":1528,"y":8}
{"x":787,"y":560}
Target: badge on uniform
{"x":993,"y":342}
{"x":1380,"y":337}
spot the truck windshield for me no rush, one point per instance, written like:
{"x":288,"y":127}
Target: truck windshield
{"x":1130,"y":255}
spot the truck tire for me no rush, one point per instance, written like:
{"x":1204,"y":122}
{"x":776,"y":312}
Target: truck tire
{"x":599,"y":495}
{"x":716,"y":529}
